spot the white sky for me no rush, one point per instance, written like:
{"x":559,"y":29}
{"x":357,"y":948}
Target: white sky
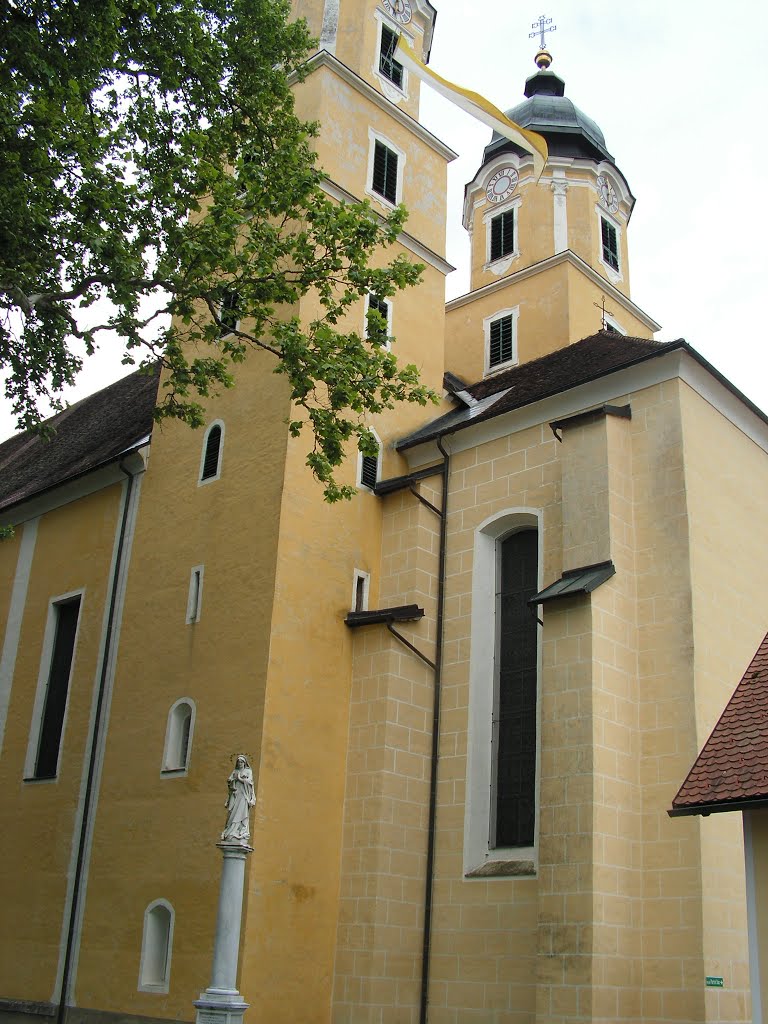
{"x":679,"y":90}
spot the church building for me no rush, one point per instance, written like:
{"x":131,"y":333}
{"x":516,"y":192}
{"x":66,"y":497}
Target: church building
{"x":468,"y":696}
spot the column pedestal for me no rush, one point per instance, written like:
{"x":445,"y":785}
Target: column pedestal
{"x":221,"y":1003}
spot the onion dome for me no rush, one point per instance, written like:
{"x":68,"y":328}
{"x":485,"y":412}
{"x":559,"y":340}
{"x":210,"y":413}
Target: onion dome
{"x":548,"y":111}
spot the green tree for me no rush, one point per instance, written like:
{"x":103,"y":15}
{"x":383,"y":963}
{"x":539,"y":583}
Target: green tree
{"x":150,"y":147}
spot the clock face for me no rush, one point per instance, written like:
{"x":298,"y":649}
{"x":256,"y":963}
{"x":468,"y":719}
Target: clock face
{"x":502,"y":185}
{"x":608,"y":195}
{"x":399,"y":9}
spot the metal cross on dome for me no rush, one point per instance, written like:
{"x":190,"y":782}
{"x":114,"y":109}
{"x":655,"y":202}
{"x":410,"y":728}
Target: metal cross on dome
{"x":541,"y":29}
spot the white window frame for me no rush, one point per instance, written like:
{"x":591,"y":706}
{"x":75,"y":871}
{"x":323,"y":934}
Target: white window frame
{"x":393,"y":92}
{"x":360,"y":574}
{"x":195,"y":594}
{"x":514,"y":312}
{"x":173,"y":738}
{"x":217,"y":475}
{"x":389,"y":303}
{"x":43,"y":674}
{"x":360,"y":485}
{"x":614,"y":276}
{"x":160,"y":987}
{"x":614,"y":324}
{"x":478,"y":852}
{"x":373,"y":138}
{"x":503,"y":263}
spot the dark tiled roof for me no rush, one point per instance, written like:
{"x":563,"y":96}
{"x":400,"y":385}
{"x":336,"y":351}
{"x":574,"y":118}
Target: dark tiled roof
{"x":549,"y":375}
{"x":94,"y":431}
{"x":733,"y":764}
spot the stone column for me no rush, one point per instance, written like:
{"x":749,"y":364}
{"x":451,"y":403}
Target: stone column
{"x":221,"y":1003}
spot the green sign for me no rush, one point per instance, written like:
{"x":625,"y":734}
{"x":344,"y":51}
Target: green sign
{"x":714,"y":982}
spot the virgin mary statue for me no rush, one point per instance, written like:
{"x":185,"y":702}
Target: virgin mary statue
{"x":240,"y":800}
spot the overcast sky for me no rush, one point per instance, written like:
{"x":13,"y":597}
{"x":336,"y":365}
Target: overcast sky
{"x":679,"y":90}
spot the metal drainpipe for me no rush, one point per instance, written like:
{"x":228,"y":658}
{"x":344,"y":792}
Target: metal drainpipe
{"x":62,"y":1008}
{"x":430,"y":867}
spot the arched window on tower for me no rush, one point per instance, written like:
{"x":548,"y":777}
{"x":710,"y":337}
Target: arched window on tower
{"x":156,"y":947}
{"x":210,"y":461}
{"x":178,"y":736}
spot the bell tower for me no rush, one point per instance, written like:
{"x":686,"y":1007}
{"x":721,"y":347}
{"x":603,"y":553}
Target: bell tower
{"x":549,"y":257}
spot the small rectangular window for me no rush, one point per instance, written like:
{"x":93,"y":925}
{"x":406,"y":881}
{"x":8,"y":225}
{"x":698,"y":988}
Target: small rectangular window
{"x":360,"y":593}
{"x":502,"y":235}
{"x":384,"y":172}
{"x":369,"y":470}
{"x":388,"y":66}
{"x":52,"y":721}
{"x":382,"y":308}
{"x":502,"y":341}
{"x":229,"y":313}
{"x":610,"y":244}
{"x":195,"y":596}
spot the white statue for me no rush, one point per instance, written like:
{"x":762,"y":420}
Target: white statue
{"x":240,"y":800}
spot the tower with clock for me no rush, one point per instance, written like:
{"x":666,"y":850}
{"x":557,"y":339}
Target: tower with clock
{"x":544,"y":251}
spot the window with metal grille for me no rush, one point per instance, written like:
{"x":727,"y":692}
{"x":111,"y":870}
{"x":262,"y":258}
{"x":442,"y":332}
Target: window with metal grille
{"x":502,"y":235}
{"x":382,"y":308}
{"x":610,"y":244}
{"x":388,"y":66}
{"x":513,"y":816}
{"x":55,"y":705}
{"x":502,"y":341}
{"x":212,"y":451}
{"x":384,"y":172}
{"x":229,"y":314}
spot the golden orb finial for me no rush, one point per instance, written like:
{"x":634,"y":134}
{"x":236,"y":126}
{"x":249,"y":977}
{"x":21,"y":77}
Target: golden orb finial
{"x":543,"y":59}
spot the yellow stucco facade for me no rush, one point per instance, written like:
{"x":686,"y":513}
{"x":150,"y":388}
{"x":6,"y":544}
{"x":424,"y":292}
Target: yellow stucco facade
{"x":376,"y":892}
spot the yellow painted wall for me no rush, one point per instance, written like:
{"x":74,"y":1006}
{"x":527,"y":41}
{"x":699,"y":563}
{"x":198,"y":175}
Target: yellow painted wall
{"x":344,"y":148}
{"x":758,"y":823}
{"x":729,"y":553}
{"x":73,"y":551}
{"x":155,"y":835}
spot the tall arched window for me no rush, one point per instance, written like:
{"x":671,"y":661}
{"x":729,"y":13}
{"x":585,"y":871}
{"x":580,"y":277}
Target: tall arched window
{"x":513,"y":814}
{"x":178,"y":735}
{"x":500,"y":830}
{"x":156,"y":947}
{"x":210,"y":461}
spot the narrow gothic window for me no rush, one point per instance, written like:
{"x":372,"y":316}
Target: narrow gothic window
{"x":388,"y":66}
{"x":178,"y":735}
{"x":210,"y":467}
{"x":154,"y":973}
{"x":52,"y":720}
{"x":502,"y":341}
{"x":502,"y":235}
{"x":384,"y":172}
{"x":610,"y":244}
{"x":513,"y":813}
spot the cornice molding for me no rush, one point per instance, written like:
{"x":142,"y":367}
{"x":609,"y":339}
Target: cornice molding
{"x":423,"y":253}
{"x":567,"y":256}
{"x":325,"y":59}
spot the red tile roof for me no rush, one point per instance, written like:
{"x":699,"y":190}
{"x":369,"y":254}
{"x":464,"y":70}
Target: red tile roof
{"x":732,"y":768}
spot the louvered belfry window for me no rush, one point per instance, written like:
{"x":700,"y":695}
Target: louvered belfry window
{"x":384,"y":172}
{"x":230,"y":311}
{"x":502,"y":341}
{"x":369,"y":471}
{"x":514,"y":724}
{"x":388,"y":66}
{"x":502,"y":235}
{"x":610,"y":244}
{"x":212,"y":451}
